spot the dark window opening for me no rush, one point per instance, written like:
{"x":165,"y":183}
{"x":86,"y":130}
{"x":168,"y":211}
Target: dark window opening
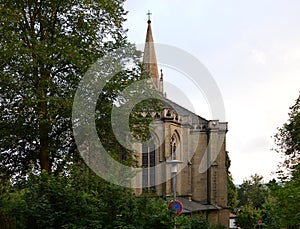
{"x":148,"y":164}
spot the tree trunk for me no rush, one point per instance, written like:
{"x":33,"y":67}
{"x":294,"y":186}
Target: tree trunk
{"x":44,"y":128}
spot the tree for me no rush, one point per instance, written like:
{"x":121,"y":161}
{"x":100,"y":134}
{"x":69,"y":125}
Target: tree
{"x":45,"y":48}
{"x":81,"y":200}
{"x":252,"y":192}
{"x":232,"y":191}
{"x":248,"y":217}
{"x":282,"y":206}
{"x":287,"y":140}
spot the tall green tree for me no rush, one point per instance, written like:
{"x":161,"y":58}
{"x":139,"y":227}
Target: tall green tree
{"x":287,"y":140}
{"x":252,"y":192}
{"x":232,"y":190}
{"x":282,"y":207}
{"x":45,"y":48}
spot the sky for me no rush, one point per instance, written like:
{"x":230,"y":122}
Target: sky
{"x":252,"y":50}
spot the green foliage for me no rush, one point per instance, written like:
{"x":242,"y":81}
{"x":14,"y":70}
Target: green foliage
{"x":148,"y":213}
{"x":247,"y":217}
{"x":287,"y":140}
{"x":183,"y":221}
{"x":138,"y":122}
{"x":195,"y":222}
{"x":282,"y":207}
{"x":232,"y":194}
{"x":277,"y":202}
{"x":45,"y":48}
{"x":7,"y":221}
{"x":50,"y":201}
{"x":81,"y":200}
{"x":252,"y":192}
{"x":199,"y":223}
{"x":232,"y":190}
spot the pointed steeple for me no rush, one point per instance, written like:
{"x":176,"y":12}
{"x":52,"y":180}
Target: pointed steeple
{"x":149,"y":60}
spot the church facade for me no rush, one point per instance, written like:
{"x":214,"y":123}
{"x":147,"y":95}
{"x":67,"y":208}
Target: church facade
{"x":200,"y":144}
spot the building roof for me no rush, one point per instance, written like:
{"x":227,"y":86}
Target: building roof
{"x":183,"y":111}
{"x":193,"y":206}
{"x":231,"y":215}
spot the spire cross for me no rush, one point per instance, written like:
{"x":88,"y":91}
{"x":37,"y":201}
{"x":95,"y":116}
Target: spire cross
{"x":149,"y":14}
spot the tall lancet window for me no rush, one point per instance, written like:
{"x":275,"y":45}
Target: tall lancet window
{"x":173,"y":147}
{"x":148,"y":163}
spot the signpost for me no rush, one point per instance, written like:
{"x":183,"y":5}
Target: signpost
{"x":174,"y":205}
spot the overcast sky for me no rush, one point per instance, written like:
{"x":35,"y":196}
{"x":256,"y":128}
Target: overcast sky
{"x":252,"y":50}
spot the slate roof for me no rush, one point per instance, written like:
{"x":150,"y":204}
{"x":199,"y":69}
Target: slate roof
{"x":183,"y":111}
{"x":193,"y":206}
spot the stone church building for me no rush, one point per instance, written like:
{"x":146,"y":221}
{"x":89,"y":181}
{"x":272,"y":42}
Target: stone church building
{"x":200,"y":144}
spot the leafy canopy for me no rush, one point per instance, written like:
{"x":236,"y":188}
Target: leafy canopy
{"x":45,"y":48}
{"x":287,"y":140}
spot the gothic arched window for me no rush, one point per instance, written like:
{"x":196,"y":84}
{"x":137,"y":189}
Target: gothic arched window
{"x":173,"y":147}
{"x":148,"y":164}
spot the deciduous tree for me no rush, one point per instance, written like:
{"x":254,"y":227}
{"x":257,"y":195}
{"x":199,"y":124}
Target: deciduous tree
{"x":232,"y":190}
{"x":252,"y":192}
{"x":45,"y":48}
{"x":287,"y":140}
{"x":248,"y":217}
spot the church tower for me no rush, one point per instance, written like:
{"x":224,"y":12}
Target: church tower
{"x":149,"y":60}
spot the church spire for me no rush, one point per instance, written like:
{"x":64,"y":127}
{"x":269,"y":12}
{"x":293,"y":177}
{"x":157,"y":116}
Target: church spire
{"x":149,"y":60}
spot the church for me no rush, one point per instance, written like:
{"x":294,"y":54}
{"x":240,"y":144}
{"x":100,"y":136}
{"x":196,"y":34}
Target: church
{"x":199,"y":144}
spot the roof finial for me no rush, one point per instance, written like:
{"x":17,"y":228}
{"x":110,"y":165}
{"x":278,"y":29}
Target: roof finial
{"x":149,"y":14}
